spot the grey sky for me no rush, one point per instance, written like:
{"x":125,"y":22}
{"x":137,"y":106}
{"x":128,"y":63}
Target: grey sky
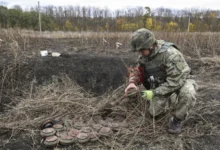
{"x":117,"y":4}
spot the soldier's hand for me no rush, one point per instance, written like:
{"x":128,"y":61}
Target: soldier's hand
{"x":147,"y":94}
{"x":130,"y":89}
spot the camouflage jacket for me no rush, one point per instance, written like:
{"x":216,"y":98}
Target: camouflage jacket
{"x":165,"y":69}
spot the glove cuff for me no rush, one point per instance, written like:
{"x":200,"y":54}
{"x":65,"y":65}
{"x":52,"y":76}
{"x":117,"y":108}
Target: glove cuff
{"x":154,"y":92}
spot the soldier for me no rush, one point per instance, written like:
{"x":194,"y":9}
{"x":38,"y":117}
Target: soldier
{"x":165,"y":74}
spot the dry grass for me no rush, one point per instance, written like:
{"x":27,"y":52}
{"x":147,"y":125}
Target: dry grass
{"x":52,"y":101}
{"x":66,"y":101}
{"x":195,"y":45}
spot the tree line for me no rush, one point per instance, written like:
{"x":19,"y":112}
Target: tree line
{"x":80,"y":18}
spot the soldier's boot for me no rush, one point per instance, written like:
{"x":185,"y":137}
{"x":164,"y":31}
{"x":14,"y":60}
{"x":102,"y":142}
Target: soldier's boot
{"x":174,"y":126}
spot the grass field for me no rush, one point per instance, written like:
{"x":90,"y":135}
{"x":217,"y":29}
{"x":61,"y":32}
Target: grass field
{"x":83,"y":85}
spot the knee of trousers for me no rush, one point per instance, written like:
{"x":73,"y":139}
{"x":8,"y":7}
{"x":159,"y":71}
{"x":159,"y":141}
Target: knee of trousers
{"x":185,"y":102}
{"x":187,"y":93}
{"x":156,"y":108}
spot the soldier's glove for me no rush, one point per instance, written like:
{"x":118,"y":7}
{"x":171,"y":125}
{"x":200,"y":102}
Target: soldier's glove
{"x":147,"y":94}
{"x":131,"y":89}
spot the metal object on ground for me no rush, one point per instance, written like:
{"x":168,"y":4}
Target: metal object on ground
{"x":86,"y":130}
{"x":78,"y":126}
{"x":61,"y":133}
{"x":74,"y":132}
{"x":82,"y":138}
{"x":50,"y":141}
{"x":119,"y":118}
{"x":105,"y":131}
{"x":104,"y":123}
{"x":58,"y":127}
{"x":47,"y":124}
{"x":94,"y":136}
{"x":66,"y":139}
{"x":47,"y":132}
{"x":97,"y":127}
{"x":114,"y":126}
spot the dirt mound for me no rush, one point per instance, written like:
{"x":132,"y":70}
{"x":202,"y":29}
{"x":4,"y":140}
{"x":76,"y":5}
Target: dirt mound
{"x":94,"y":73}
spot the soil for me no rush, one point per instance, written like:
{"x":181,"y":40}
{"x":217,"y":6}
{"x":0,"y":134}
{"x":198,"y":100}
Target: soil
{"x":97,"y":72}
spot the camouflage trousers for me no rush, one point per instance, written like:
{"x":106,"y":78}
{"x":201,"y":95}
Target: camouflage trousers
{"x":178,"y":102}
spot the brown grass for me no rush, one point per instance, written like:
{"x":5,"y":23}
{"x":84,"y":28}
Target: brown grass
{"x":65,"y":100}
{"x":195,"y":45}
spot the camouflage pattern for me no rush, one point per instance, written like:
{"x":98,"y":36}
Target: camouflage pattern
{"x":178,"y":102}
{"x":142,"y":39}
{"x":176,"y":92}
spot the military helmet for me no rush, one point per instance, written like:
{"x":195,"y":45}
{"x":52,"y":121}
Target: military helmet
{"x":142,"y":39}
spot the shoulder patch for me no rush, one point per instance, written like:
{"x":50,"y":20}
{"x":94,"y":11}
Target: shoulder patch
{"x":179,"y":66}
{"x":178,"y":63}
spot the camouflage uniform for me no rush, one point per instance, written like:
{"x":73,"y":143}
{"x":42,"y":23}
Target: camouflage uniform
{"x":167,"y":74}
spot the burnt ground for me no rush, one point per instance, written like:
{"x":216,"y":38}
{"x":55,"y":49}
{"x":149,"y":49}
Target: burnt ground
{"x":97,"y":72}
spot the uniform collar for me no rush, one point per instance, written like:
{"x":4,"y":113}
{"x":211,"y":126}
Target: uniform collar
{"x":156,"y":49}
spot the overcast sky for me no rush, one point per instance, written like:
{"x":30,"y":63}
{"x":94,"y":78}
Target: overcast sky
{"x":117,"y":4}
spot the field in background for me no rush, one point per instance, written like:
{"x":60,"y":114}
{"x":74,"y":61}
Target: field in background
{"x":33,"y":88}
{"x":194,"y":45}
